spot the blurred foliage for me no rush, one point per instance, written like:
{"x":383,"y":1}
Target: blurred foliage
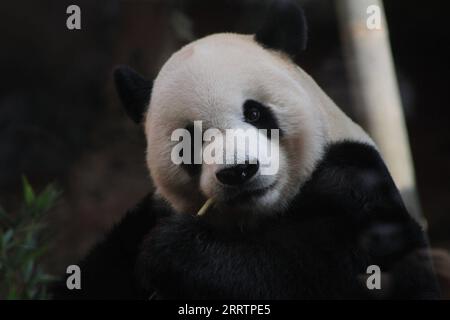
{"x":24,"y":239}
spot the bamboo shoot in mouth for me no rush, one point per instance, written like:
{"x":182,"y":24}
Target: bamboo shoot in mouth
{"x":205,"y":207}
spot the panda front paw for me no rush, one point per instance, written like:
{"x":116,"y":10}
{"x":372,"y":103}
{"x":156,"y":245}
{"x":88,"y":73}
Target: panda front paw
{"x":401,"y":253}
{"x":385,"y":242}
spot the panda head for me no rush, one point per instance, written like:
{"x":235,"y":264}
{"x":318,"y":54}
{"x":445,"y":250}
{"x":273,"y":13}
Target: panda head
{"x":232,"y":81}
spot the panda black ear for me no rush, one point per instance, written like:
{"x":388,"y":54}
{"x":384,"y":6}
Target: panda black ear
{"x":134,"y":92}
{"x":284,"y":28}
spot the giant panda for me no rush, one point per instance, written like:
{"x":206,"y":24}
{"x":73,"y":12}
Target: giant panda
{"x":309,"y":231}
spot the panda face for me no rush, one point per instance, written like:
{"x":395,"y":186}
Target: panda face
{"x":237,"y":82}
{"x":229,"y":81}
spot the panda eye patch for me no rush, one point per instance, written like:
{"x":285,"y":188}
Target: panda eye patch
{"x":260,"y":116}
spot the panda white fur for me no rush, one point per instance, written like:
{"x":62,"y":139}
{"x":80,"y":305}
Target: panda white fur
{"x":330,"y":211}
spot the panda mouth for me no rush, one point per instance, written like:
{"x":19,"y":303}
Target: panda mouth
{"x":247,"y":195}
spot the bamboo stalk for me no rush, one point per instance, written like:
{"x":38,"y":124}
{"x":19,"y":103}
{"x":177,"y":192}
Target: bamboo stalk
{"x":375,"y":92}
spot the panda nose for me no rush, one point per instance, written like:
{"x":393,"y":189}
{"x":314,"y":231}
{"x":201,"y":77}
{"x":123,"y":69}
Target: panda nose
{"x":237,"y":174}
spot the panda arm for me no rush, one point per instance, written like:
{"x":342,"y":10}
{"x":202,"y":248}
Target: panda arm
{"x":108,"y":271}
{"x":355,"y":178}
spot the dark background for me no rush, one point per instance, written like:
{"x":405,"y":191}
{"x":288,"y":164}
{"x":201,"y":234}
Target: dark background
{"x":61,"y":121}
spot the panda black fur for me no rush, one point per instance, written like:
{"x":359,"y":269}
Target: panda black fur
{"x":347,"y":214}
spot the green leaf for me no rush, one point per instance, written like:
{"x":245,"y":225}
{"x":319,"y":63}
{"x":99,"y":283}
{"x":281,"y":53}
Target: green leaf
{"x":23,"y":242}
{"x":28,"y":192}
{"x":47,"y":199}
{"x":4,"y":245}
